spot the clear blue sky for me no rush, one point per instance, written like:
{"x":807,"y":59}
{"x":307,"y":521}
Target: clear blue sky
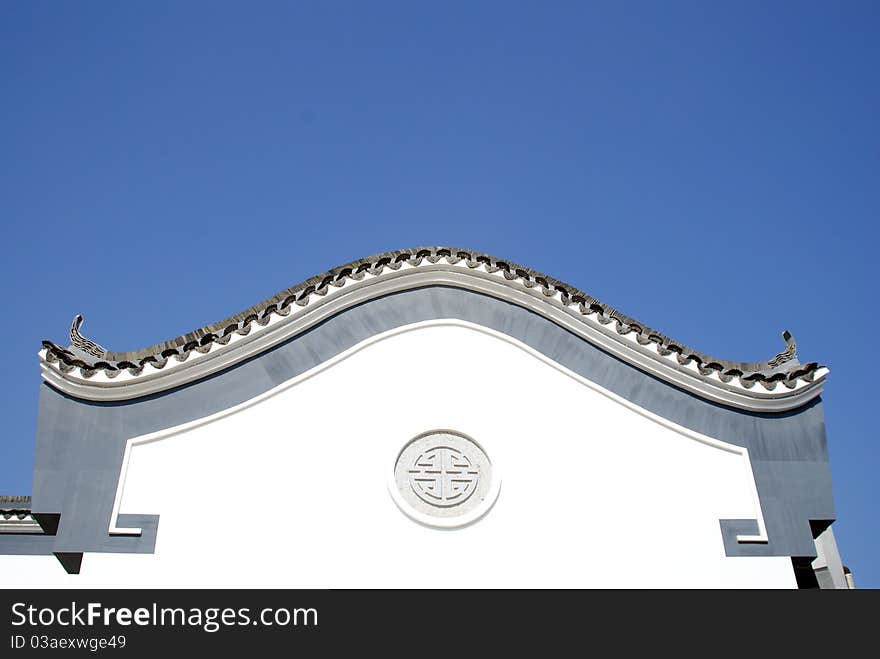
{"x":712,"y":169}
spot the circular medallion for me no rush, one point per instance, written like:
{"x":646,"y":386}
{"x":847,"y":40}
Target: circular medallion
{"x":444,"y":478}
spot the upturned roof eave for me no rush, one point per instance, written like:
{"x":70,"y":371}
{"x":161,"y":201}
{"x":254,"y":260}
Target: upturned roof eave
{"x":90,"y":357}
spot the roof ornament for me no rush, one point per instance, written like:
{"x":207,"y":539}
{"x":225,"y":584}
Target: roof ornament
{"x":80,"y":343}
{"x":787,"y":356}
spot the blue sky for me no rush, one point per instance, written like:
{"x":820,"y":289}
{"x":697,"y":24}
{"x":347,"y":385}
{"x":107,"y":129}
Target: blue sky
{"x":712,"y":170}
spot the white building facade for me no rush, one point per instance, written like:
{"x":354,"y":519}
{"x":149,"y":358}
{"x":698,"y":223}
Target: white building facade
{"x":432,"y":417}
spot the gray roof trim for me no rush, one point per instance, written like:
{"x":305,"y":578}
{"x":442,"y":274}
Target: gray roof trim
{"x":73,"y":369}
{"x":16,"y":516}
{"x":14,"y":502}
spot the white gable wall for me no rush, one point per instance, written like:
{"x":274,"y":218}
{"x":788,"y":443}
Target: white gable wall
{"x":291,"y":489}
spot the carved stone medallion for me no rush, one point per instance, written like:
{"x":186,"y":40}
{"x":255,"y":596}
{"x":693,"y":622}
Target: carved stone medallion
{"x":443,"y":474}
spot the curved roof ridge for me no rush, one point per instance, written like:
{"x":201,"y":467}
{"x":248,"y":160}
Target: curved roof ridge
{"x":90,"y":358}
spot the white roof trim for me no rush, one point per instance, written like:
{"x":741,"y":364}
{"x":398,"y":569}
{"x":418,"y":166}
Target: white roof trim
{"x":279,"y":328}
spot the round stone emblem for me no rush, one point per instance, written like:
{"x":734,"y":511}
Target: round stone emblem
{"x":443,"y":474}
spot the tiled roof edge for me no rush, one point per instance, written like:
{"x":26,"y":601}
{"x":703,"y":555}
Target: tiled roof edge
{"x":89,"y":357}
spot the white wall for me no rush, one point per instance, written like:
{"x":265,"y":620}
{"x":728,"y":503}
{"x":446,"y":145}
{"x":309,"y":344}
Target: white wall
{"x":291,"y":490}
